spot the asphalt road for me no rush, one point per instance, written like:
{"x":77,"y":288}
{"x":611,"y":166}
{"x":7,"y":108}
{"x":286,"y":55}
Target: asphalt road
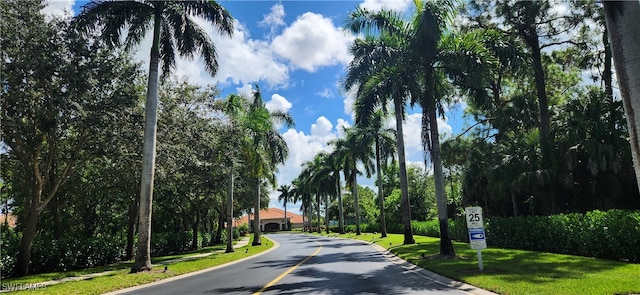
{"x":307,"y":264}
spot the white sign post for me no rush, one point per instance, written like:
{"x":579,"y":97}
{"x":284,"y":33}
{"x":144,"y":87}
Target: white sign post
{"x":476,"y":231}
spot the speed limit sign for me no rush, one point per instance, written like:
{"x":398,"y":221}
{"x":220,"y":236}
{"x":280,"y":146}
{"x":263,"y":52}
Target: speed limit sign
{"x":474,"y":217}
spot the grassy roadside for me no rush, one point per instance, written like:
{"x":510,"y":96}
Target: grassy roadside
{"x":120,"y":278}
{"x":508,"y":271}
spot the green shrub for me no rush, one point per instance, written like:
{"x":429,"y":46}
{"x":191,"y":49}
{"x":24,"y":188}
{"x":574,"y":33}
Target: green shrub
{"x":9,"y":242}
{"x":613,"y":234}
{"x":72,"y":253}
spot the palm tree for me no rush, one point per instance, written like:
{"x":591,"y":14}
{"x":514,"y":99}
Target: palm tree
{"x":621,"y":19}
{"x":173,"y":32}
{"x":384,"y":140}
{"x":268,"y":148}
{"x":354,"y":149}
{"x":335,"y":164}
{"x":286,"y":195}
{"x":381,"y":73}
{"x":416,"y":60}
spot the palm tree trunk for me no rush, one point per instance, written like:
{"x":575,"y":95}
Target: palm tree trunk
{"x":340,"y":207}
{"x":446,"y":248}
{"x":286,"y":224}
{"x":404,"y":188}
{"x":356,"y":201}
{"x":383,"y":223}
{"x":230,"y":211}
{"x":624,"y":34}
{"x":319,"y":230}
{"x":326,"y":213}
{"x":143,"y":253}
{"x":256,"y":216}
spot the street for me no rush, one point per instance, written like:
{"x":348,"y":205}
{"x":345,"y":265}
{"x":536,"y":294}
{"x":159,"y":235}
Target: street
{"x":307,"y":264}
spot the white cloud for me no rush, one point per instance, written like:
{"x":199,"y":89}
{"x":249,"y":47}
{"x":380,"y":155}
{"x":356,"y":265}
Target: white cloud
{"x":274,"y":19}
{"x":59,"y":8}
{"x":326,"y":93}
{"x":397,"y":5}
{"x":349,"y":101}
{"x":279,"y":103}
{"x":313,"y":41}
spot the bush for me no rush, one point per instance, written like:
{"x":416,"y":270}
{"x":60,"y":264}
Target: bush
{"x":72,"y":253}
{"x":170,"y":243}
{"x":9,"y":242}
{"x":613,"y":234}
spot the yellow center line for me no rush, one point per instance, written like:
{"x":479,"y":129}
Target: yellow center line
{"x":276,"y":280}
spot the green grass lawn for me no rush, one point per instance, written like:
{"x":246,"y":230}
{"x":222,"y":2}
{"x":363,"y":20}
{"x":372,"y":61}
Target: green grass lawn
{"x":121,"y":278}
{"x":508,"y":271}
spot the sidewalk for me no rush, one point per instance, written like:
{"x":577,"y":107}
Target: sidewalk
{"x":36,"y":286}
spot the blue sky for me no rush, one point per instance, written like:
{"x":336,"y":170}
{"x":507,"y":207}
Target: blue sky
{"x":296,"y":51}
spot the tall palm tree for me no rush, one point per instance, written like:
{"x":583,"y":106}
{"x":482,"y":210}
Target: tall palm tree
{"x":621,"y":19}
{"x":173,"y":32}
{"x":335,"y":164}
{"x":382,"y":74}
{"x":384,"y":141}
{"x":286,"y":195}
{"x":353,"y":150}
{"x":415,"y":59}
{"x":269,"y":148}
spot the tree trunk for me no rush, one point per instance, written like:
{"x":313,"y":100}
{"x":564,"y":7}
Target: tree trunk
{"x":256,"y":216}
{"x":230,"y":211}
{"x":218,"y":239}
{"x":28,"y":235}
{"x":143,"y":253}
{"x":319,"y":230}
{"x":383,"y":223}
{"x":286,"y":223}
{"x":446,"y":248}
{"x":624,"y":34}
{"x":531,"y":37}
{"x":326,"y":213}
{"x":194,"y":232}
{"x":514,"y":204}
{"x":340,"y":207}
{"x":356,"y":201}
{"x":57,"y":220}
{"x":404,"y":188}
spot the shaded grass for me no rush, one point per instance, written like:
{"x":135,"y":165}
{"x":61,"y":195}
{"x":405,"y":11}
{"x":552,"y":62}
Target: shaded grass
{"x":510,"y":271}
{"x":122,"y":278}
{"x":116,"y":266}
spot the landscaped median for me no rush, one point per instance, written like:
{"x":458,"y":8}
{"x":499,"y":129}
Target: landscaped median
{"x":117,"y":277}
{"x":509,"y":271}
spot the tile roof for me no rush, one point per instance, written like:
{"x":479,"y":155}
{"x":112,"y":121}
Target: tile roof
{"x":272,"y":213}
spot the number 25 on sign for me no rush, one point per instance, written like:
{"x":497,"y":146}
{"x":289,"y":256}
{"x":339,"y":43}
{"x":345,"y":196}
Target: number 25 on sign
{"x":474,"y":217}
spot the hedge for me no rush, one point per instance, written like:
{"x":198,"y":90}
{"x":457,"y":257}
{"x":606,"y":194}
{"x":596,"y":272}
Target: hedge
{"x":614,"y":234}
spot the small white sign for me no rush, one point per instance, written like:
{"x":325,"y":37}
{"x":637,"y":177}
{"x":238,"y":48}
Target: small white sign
{"x":474,"y":217}
{"x":477,"y":239}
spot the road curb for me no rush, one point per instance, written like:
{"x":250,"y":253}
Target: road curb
{"x":442,"y":280}
{"x":436,"y":278}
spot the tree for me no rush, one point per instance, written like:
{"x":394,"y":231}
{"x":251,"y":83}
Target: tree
{"x":382,"y":74}
{"x":353,"y":149}
{"x":266,"y":147}
{"x":286,"y":195}
{"x":620,"y":18}
{"x":173,"y":32}
{"x":384,"y":142}
{"x":59,"y":92}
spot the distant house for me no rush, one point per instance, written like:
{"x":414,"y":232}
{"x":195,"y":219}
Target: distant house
{"x":8,"y":219}
{"x":272,"y":219}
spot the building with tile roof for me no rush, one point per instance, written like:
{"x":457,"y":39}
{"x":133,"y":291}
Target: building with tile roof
{"x":272,"y":219}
